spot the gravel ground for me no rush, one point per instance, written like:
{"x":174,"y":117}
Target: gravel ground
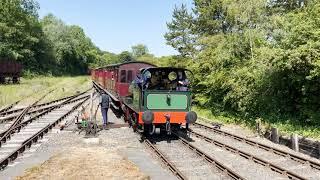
{"x":187,"y":161}
{"x":86,"y":161}
{"x":243,"y":132}
{"x":246,"y":168}
{"x":112,"y":154}
{"x":293,"y":166}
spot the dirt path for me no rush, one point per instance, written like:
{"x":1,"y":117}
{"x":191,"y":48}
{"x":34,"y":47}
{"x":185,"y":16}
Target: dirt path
{"x":85,"y":163}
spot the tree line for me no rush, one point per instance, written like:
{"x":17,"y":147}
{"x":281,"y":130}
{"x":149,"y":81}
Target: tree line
{"x":252,"y":58}
{"x":48,"y":45}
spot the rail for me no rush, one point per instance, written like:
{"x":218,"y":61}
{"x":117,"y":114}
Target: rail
{"x":273,"y":167}
{"x":294,"y":157}
{"x":49,"y":104}
{"x":5,"y":109}
{"x":18,"y":120}
{"x":210,"y":159}
{"x":17,"y":125}
{"x":12,"y":156}
{"x":42,"y":104}
{"x":24,"y":123}
{"x":171,"y":166}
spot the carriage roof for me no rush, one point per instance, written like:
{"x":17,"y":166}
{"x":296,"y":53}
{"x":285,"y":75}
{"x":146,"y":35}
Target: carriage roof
{"x":115,"y":66}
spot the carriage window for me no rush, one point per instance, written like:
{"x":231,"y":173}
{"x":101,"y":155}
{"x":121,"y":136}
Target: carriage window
{"x":129,"y":76}
{"x":123,"y":76}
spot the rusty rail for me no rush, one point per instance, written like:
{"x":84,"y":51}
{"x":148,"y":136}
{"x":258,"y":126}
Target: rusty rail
{"x":42,"y":104}
{"x":273,"y":167}
{"x":5,"y":109}
{"x":170,"y":165}
{"x":24,"y":123}
{"x":220,"y":166}
{"x":26,"y":144}
{"x":294,"y":157}
{"x":18,"y":119}
{"x":41,"y":109}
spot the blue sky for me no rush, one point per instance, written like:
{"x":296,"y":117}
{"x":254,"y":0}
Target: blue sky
{"x":118,"y":24}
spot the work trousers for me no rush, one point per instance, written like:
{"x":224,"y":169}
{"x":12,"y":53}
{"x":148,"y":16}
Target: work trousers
{"x":104,"y":112}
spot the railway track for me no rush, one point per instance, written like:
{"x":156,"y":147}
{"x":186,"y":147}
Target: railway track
{"x":284,"y":163}
{"x":8,"y":107}
{"x":38,"y":108}
{"x":197,"y":165}
{"x":21,"y":136}
{"x":14,"y":112}
{"x":6,"y":130}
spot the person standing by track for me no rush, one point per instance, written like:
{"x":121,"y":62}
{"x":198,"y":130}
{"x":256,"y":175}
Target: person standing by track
{"x":104,"y":103}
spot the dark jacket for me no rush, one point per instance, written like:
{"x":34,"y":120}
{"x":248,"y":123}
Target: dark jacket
{"x":104,"y":101}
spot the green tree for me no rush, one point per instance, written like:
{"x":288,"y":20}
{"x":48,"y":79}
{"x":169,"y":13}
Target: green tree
{"x":180,"y":35}
{"x":72,"y":50}
{"x":20,"y":32}
{"x":139,"y":50}
{"x":255,"y":58}
{"x":125,"y":56}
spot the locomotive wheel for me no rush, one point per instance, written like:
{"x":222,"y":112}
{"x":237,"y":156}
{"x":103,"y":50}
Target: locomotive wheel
{"x":129,"y":119}
{"x":15,"y":80}
{"x":2,"y":80}
{"x":127,"y":116}
{"x":133,"y":122}
{"x":146,"y":129}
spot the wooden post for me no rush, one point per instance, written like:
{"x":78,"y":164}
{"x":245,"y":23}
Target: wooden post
{"x":258,"y":126}
{"x":274,"y":135}
{"x":295,"y":142}
{"x":318,"y":146}
{"x":91,"y":105}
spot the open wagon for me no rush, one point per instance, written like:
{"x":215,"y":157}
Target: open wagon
{"x":10,"y":71}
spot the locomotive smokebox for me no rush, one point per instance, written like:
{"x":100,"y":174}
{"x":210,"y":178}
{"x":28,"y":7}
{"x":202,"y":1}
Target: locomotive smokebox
{"x":148,"y":117}
{"x":191,"y":117}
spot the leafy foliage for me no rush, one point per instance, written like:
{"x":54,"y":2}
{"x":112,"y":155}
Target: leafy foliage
{"x":20,"y":32}
{"x":254,"y":58}
{"x":139,"y":50}
{"x":180,"y":35}
{"x":125,"y":56}
{"x":46,"y":46}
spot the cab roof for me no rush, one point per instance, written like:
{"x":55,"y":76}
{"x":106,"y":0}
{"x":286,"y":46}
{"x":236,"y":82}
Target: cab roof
{"x":164,"y":69}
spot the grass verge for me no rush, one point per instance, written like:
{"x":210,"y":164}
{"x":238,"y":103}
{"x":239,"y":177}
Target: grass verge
{"x":29,"y":90}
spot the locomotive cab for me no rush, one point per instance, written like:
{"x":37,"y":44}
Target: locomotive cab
{"x":163,"y":98}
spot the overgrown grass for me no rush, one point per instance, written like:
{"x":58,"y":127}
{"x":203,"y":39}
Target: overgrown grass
{"x":285,"y":126}
{"x":29,"y":90}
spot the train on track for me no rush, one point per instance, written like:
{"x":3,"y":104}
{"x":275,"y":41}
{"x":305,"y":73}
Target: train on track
{"x":151,"y":98}
{"x":10,"y":71}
